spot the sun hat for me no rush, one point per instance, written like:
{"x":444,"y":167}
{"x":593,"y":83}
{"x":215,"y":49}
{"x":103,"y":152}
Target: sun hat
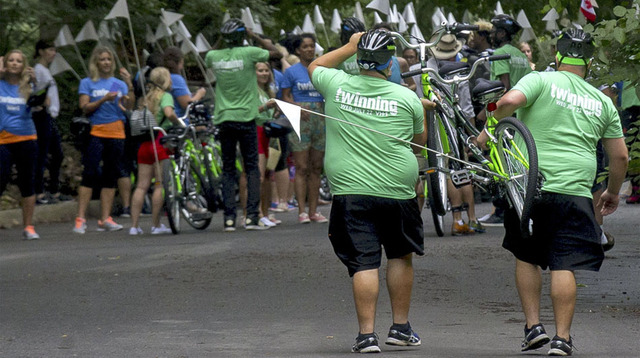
{"x":448,"y":47}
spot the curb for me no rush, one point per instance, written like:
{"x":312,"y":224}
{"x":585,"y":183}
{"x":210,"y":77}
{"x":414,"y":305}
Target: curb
{"x":44,"y":214}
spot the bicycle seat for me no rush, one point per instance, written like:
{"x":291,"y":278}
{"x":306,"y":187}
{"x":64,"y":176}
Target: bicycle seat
{"x":448,"y":68}
{"x":170,"y":140}
{"x":484,"y":87}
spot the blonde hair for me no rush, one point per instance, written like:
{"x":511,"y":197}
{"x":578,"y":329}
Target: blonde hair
{"x":24,"y":84}
{"x":267,"y":86}
{"x":94,"y":72}
{"x":160,"y":81}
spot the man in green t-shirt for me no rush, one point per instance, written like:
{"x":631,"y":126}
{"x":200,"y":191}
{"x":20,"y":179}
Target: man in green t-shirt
{"x":567,"y":116}
{"x":508,"y":72}
{"x":237,"y":103}
{"x":372,"y":179}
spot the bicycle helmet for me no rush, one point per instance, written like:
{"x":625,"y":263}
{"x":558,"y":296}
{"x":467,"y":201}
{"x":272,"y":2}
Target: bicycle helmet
{"x":506,"y":22}
{"x":375,"y":49}
{"x":233,"y":31}
{"x":575,"y":47}
{"x":350,"y":26}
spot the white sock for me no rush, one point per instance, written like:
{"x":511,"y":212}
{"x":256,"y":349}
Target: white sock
{"x":603,"y":238}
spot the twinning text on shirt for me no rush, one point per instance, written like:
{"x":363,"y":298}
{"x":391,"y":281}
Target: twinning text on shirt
{"x":355,"y":102}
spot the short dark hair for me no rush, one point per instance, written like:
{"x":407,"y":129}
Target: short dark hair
{"x":382,"y":25}
{"x":171,"y":58}
{"x":298,"y":40}
{"x":42,"y":44}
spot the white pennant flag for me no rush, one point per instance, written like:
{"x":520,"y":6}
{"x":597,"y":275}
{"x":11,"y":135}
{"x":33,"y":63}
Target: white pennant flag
{"x":104,"y":32}
{"x":527,"y":32}
{"x":169,"y":18}
{"x":451,"y":19}
{"x":149,"y":37}
{"x":64,"y":37}
{"x":438,"y":18}
{"x":416,"y":34}
{"x":258,"y":29}
{"x":182,"y":30}
{"x":60,"y":65}
{"x":247,"y":18}
{"x":88,"y":32}
{"x":307,"y":25}
{"x":319,"y":50}
{"x":379,"y":5}
{"x":358,"y":12}
{"x":120,"y":9}
{"x":393,"y":15}
{"x":409,"y":14}
{"x":402,"y":25}
{"x":292,"y":112}
{"x":550,"y":18}
{"x":376,"y":18}
{"x":162,"y":31}
{"x":202,"y":44}
{"x":335,"y":21}
{"x":226,"y":17}
{"x":467,"y":17}
{"x":297,"y":30}
{"x":188,"y":46}
{"x":498,"y":10}
{"x":317,"y":16}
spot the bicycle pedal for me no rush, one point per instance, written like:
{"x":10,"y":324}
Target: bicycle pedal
{"x":461,"y":178}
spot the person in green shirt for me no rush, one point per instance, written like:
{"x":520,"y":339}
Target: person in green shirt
{"x":236,"y":110}
{"x":566,"y":116}
{"x":508,"y":72}
{"x":348,"y":27}
{"x":372,"y":179}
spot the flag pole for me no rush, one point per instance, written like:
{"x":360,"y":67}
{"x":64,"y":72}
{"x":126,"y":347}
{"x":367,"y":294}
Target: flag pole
{"x":84,"y":65}
{"x":326,"y":36}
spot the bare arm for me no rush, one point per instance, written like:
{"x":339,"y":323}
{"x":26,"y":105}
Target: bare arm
{"x":508,"y":104}
{"x":170,"y":114}
{"x":287,"y":96}
{"x":618,"y":160}
{"x":265,"y":44}
{"x":421,"y":138}
{"x":336,"y":57}
{"x":90,"y":107}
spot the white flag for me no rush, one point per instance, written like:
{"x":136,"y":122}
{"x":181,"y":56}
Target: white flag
{"x":307,"y":25}
{"x":416,"y":34}
{"x":467,"y":17}
{"x":451,"y":19}
{"x":319,"y":50}
{"x":202,"y":44}
{"x":409,"y":14}
{"x":188,"y":46}
{"x":258,"y":29}
{"x":149,"y":37}
{"x":247,"y":18}
{"x":64,"y":37}
{"x":402,"y":25}
{"x":393,"y":15}
{"x":182,"y":30}
{"x":376,"y":18}
{"x":59,"y":65}
{"x":498,"y":9}
{"x":379,"y":5}
{"x":297,"y":30}
{"x":523,"y":20}
{"x":335,"y":21}
{"x":550,"y":18}
{"x":438,"y":18}
{"x":169,"y":18}
{"x":120,"y":9}
{"x":527,"y":35}
{"x":317,"y":16}
{"x":162,"y":31}
{"x":104,"y":32}
{"x":292,"y":112}
{"x":358,"y":12}
{"x":88,"y":32}
{"x":226,"y":17}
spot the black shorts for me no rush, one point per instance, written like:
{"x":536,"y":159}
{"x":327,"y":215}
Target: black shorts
{"x":361,"y":224}
{"x":566,"y":235}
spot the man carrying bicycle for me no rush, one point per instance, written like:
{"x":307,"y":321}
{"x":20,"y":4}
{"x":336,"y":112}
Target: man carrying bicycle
{"x":566,"y":116}
{"x":374,"y":203}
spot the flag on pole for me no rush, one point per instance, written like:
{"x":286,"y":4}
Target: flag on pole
{"x":64,"y":37}
{"x":60,"y":65}
{"x":527,"y":32}
{"x":416,"y":34}
{"x":550,"y":18}
{"x":292,"y":112}
{"x":451,"y":19}
{"x":162,"y":31}
{"x":379,"y":5}
{"x":88,"y":32}
{"x":120,"y":9}
{"x":335,"y":21}
{"x":247,"y":18}
{"x":409,"y":14}
{"x":467,"y":17}
{"x":376,"y":18}
{"x":438,"y":18}
{"x":149,"y":37}
{"x":182,"y":30}
{"x":188,"y":46}
{"x":587,"y":9}
{"x":393,"y":15}
{"x":226,"y":17}
{"x":202,"y":44}
{"x":402,"y":25}
{"x":319,"y":49}
{"x":169,"y":18}
{"x":297,"y":30}
{"x":307,"y":25}
{"x":358,"y":12}
{"x":258,"y":29}
{"x":317,"y":16}
{"x":498,"y":10}
{"x":104,"y":32}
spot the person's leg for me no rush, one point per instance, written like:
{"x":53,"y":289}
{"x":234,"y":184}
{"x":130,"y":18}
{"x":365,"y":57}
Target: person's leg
{"x":282,"y":186}
{"x":41,"y":121}
{"x":316,"y":162}
{"x":124,"y":188}
{"x":84,"y":197}
{"x":249,"y":151}
{"x":365,"y":295}
{"x":91,"y":158}
{"x":106,"y":202}
{"x":563,"y":298}
{"x":28,"y":205}
{"x":265,"y":186}
{"x":228,"y":142}
{"x":301,"y":159}
{"x":242,"y":192}
{"x":529,"y":286}
{"x":455,"y":198}
{"x":55,"y":151}
{"x":145,"y":173}
{"x":399,"y":285}
{"x":467,"y":197}
{"x":157,"y":200}
{"x":112,"y":158}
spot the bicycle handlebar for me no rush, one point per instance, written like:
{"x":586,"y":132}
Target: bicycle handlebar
{"x":446,"y":28}
{"x":456,"y":78}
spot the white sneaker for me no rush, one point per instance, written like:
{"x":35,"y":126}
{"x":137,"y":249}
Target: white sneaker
{"x":160,"y":230}
{"x":135,"y":231}
{"x":266,"y":222}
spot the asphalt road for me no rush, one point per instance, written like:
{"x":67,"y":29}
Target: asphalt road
{"x":283,"y":293}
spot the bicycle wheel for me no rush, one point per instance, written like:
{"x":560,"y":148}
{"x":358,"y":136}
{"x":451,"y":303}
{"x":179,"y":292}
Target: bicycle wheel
{"x":171,"y":195}
{"x":519,"y":160}
{"x":194,"y":206}
{"x":438,"y":220}
{"x":205,"y":180}
{"x":437,"y":180}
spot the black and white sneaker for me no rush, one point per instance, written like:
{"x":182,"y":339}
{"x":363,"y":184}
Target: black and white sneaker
{"x":534,"y":337}
{"x":401,"y":335}
{"x":561,"y":347}
{"x":366,"y":343}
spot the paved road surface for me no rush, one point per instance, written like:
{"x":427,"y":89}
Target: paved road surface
{"x":283,"y":293}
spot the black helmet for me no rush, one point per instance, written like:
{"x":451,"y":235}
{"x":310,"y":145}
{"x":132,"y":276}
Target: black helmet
{"x":350,"y":26}
{"x":375,"y":49}
{"x":575,"y":44}
{"x":506,"y":22}
{"x":233,"y":31}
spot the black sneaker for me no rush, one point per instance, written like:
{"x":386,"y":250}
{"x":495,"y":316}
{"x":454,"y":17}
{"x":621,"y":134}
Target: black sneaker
{"x":229,"y":224}
{"x":492,"y":220}
{"x":534,"y":337}
{"x":560,"y":347}
{"x":254,"y":224}
{"x":366,"y":343}
{"x":610,"y":242}
{"x":126,"y":212}
{"x":402,"y":337}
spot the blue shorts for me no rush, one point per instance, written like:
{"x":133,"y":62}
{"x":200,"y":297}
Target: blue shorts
{"x":360,"y":225}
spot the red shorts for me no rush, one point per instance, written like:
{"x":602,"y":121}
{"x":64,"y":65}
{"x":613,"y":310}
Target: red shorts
{"x":263,"y":142}
{"x":146,"y":155}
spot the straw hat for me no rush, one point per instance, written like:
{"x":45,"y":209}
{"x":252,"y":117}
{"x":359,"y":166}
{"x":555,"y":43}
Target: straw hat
{"x":448,"y":47}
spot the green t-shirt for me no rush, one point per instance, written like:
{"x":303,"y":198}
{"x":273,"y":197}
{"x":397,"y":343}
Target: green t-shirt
{"x":517,"y":66}
{"x":567,"y":116}
{"x":165,"y":101}
{"x":266,"y":115}
{"x":236,"y":87}
{"x":358,"y":161}
{"x":350,"y":66}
